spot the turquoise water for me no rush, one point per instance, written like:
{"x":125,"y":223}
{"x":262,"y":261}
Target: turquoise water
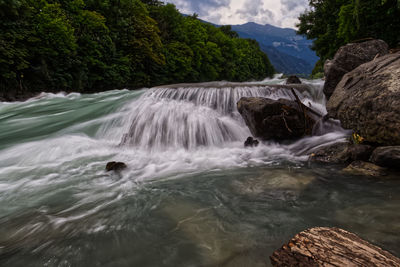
{"x":186,"y":199}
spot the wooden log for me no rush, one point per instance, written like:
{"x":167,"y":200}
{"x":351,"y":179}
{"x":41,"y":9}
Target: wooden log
{"x":323,"y":246}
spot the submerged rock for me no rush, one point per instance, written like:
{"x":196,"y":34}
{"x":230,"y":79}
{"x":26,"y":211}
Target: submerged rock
{"x":250,"y":142}
{"x":115,"y":166}
{"x":349,"y":57}
{"x":367,"y":100}
{"x":293,"y":80}
{"x":388,"y":156}
{"x":365,"y":169}
{"x":275,"y":119}
{"x":323,"y":246}
{"x":200,"y":226}
{"x":283,"y":184}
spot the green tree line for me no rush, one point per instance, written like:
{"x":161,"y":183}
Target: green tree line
{"x":334,"y":23}
{"x":95,"y":45}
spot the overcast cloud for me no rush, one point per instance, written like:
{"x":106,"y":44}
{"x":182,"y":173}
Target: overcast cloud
{"x":282,"y":13}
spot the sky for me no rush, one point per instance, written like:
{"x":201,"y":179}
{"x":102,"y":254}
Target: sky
{"x":281,"y":13}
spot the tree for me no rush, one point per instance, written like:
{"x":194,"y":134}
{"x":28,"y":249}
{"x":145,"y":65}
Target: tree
{"x":333,"y":23}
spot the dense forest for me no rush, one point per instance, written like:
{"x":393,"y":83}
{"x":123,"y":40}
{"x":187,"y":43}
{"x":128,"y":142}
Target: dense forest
{"x":333,"y":23}
{"x":94,"y":45}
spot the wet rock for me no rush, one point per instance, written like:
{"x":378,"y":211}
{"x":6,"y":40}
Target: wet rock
{"x":349,"y":57}
{"x":388,"y":156}
{"x":343,"y":152}
{"x":323,"y":246}
{"x":275,"y":119}
{"x":293,"y":80}
{"x":115,"y":166}
{"x":251,"y":142}
{"x":361,"y":152}
{"x":365,"y":169}
{"x":367,"y":100}
{"x":337,"y":153}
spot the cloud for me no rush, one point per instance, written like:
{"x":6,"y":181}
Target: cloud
{"x":283,"y":13}
{"x":201,"y":7}
{"x":290,"y":5}
{"x":291,"y":9}
{"x":254,"y":11}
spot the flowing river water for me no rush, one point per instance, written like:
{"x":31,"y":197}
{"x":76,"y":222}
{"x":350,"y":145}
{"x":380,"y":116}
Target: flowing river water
{"x":192,"y":194}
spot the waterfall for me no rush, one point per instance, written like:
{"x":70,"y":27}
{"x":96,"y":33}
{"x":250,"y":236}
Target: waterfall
{"x":190,"y":116}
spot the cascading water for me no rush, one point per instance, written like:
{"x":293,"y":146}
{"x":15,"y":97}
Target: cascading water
{"x":192,"y":194}
{"x":190,"y":116}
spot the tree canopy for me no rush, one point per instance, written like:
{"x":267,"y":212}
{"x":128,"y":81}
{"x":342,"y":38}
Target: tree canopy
{"x":333,"y":23}
{"x":94,"y":45}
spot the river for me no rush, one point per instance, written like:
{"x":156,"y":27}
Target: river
{"x":192,"y":194}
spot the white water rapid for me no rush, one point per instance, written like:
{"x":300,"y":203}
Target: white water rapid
{"x":164,"y":131}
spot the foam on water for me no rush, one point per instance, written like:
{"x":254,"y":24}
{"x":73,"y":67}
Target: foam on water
{"x":164,"y":131}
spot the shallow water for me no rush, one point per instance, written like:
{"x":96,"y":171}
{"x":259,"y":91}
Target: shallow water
{"x":191,"y":197}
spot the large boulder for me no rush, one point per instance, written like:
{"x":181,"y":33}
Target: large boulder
{"x":367,"y":100}
{"x":349,"y":57}
{"x":323,"y":246}
{"x":275,"y":119}
{"x":388,"y":156}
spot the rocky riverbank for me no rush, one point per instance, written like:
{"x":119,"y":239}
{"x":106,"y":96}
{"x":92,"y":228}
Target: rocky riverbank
{"x":363,"y":91}
{"x":367,"y":101}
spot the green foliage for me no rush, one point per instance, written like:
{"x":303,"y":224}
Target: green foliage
{"x":93,"y":45}
{"x":333,"y":23}
{"x":318,"y":70}
{"x":15,"y":33}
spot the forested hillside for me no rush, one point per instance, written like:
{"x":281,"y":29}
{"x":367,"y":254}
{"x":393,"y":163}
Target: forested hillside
{"x":94,"y":45}
{"x":333,"y":23}
{"x":288,"y":52}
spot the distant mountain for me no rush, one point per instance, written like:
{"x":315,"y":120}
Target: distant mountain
{"x":288,"y":52}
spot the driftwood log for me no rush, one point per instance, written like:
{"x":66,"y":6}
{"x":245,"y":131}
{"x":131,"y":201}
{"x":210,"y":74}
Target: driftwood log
{"x":331,"y":247}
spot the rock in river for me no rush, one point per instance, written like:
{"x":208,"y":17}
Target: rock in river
{"x":341,"y":152}
{"x":336,"y":153}
{"x":251,"y":142}
{"x":367,"y":100}
{"x":388,"y":156}
{"x":349,"y":57}
{"x":275,"y":119}
{"x":115,"y":166}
